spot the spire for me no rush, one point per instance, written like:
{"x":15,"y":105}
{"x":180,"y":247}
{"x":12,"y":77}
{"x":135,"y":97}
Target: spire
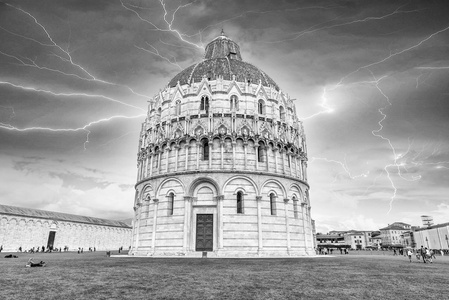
{"x":222,"y":32}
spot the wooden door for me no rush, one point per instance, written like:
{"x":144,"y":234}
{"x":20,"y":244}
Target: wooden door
{"x":204,"y":232}
{"x":51,"y":239}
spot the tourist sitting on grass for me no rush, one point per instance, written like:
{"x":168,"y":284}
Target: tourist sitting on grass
{"x":31,"y":263}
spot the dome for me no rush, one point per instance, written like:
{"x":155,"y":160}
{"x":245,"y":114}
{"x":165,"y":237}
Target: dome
{"x":222,"y":58}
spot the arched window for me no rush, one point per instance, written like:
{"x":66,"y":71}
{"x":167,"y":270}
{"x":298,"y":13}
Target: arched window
{"x":282,"y":113}
{"x":205,"y":143}
{"x":234,"y":103}
{"x":239,"y":202}
{"x":295,"y":207}
{"x":204,"y":103}
{"x":261,"y":107}
{"x":178,"y":108}
{"x":273,"y":204}
{"x":261,"y":152}
{"x":171,"y":204}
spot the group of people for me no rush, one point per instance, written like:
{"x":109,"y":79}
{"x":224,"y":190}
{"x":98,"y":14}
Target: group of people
{"x":330,"y":251}
{"x":423,"y":253}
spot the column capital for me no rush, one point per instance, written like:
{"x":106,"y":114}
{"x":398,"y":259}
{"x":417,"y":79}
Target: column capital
{"x":303,"y":204}
{"x":155,"y":200}
{"x":188,"y":198}
{"x":258,"y":198}
{"x":219,"y":197}
{"x":286,"y":200}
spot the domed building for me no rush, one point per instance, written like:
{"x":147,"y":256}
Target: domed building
{"x":222,"y":165}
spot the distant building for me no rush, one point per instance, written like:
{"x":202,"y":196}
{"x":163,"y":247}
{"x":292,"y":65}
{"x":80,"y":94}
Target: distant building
{"x":393,"y":234}
{"x":354,"y":239}
{"x":358,"y":239}
{"x":27,"y":228}
{"x":376,"y":239}
{"x":330,"y":240}
{"x":433,"y":237}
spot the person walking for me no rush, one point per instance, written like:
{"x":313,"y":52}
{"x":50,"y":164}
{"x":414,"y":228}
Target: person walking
{"x":428,"y":255}
{"x":409,"y":254}
{"x":423,"y":253}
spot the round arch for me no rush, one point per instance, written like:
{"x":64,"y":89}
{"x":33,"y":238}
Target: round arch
{"x":200,"y":180}
{"x":241,"y":177}
{"x":168,"y":179}
{"x":284,"y":192}
{"x":147,"y":189}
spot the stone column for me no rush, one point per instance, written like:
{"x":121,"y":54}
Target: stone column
{"x":167,"y":159}
{"x":176,"y":157}
{"x":259,"y":222}
{"x":296,"y":165}
{"x":187,"y":229}
{"x":245,"y":144}
{"x":198,"y":145}
{"x":256,"y":150}
{"x":138,"y":170}
{"x":304,"y":225}
{"x":305,"y":170}
{"x":234,"y":144}
{"x":222,"y":154}
{"x":137,"y":226}
{"x":211,"y":144}
{"x":287,"y":225}
{"x":186,"y":146}
{"x":153,"y":239}
{"x":289,"y":160}
{"x":275,"y":159}
{"x":300,"y":169}
{"x":151,"y":163}
{"x":282,"y":153}
{"x":310,"y":225}
{"x":220,"y":199}
{"x":159,"y":161}
{"x":266,"y":152}
{"x":145,"y":171}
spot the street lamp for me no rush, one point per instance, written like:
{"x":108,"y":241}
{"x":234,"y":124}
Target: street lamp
{"x":447,"y":241}
{"x":427,"y":241}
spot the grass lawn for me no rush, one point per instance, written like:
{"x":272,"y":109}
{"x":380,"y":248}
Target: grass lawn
{"x":95,"y":276}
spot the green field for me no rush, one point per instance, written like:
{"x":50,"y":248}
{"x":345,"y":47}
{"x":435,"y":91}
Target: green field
{"x":95,"y":276}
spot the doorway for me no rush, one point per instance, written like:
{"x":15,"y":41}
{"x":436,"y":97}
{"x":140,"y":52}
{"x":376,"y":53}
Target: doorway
{"x":204,"y":232}
{"x":51,"y":239}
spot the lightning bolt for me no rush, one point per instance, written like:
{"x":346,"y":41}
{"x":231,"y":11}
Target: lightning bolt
{"x":323,"y":104}
{"x":27,"y":88}
{"x":394,"y":54}
{"x":156,"y":52}
{"x":433,"y":68}
{"x":68,"y":58}
{"x":377,"y":132}
{"x":367,"y":19}
{"x":81,"y":128}
{"x":343,"y":165}
{"x":168,"y":23}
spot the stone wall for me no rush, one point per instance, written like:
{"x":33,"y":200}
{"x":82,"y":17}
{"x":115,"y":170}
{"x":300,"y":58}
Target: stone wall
{"x":26,"y":232}
{"x":253,"y":232}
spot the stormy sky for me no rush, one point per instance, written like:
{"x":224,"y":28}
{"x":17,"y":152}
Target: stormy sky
{"x":370,"y":79}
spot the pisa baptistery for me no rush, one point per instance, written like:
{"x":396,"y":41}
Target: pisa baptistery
{"x":222,"y":165}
